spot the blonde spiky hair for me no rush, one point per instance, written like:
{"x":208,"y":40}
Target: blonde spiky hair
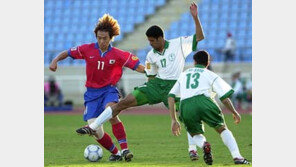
{"x":109,"y":24}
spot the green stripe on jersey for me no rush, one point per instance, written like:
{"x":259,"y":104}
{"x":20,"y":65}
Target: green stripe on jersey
{"x":194,"y":43}
{"x":229,"y":93}
{"x":171,"y":95}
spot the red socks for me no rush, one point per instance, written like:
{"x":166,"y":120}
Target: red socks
{"x":119,"y":133}
{"x":107,"y":143}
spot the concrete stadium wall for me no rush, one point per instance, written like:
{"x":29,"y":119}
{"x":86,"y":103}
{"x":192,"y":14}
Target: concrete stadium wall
{"x":72,"y":79}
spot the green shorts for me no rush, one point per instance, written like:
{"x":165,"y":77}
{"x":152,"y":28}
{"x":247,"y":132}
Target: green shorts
{"x":200,"y":108}
{"x":154,"y":91}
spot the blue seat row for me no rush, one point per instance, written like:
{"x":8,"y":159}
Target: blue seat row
{"x":68,"y":21}
{"x":218,"y":17}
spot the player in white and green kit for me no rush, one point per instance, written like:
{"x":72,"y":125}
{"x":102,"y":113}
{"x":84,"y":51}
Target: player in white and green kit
{"x":164,"y":64}
{"x":196,"y":87}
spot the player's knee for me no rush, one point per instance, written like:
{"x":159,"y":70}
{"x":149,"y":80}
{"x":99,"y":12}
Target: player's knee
{"x":114,"y":120}
{"x":99,"y":132}
{"x":221,"y":129}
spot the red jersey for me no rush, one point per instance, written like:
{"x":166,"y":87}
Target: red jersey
{"x":103,"y":69}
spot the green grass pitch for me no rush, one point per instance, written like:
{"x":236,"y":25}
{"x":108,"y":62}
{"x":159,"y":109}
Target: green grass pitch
{"x":149,"y":138}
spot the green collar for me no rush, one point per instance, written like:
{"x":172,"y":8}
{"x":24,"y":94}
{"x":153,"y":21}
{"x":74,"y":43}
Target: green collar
{"x":199,"y":66}
{"x":166,"y":45}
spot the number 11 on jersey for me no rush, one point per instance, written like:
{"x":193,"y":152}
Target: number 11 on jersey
{"x":99,"y":64}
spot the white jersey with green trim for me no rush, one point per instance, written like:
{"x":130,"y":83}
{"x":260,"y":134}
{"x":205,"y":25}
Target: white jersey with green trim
{"x":197,"y":81}
{"x":169,"y":64}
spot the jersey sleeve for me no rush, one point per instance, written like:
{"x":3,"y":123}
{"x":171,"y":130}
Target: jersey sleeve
{"x":150,"y":66}
{"x":129,"y":60}
{"x":188,"y":44}
{"x":77,"y":52}
{"x":222,"y":88}
{"x":175,"y":91}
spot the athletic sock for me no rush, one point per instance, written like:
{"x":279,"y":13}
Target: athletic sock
{"x":119,"y":133}
{"x":231,"y":144}
{"x":199,"y":140}
{"x":101,"y":119}
{"x":191,"y":143}
{"x":108,"y":144}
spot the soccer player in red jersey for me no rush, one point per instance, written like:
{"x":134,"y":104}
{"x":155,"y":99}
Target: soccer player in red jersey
{"x":104,"y":65}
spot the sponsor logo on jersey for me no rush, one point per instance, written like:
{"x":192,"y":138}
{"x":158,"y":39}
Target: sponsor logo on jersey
{"x":111,"y":61}
{"x":172,"y":57}
{"x":91,"y":57}
{"x":74,"y":48}
{"x":135,"y":58}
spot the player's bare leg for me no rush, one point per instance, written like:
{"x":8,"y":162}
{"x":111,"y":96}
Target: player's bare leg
{"x":108,"y":113}
{"x":105,"y":140}
{"x":127,"y":102}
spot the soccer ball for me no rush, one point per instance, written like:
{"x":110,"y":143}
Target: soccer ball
{"x":93,"y":153}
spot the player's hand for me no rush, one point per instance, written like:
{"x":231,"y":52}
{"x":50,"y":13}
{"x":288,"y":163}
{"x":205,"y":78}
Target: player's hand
{"x":237,"y":118}
{"x":193,"y":9}
{"x":53,"y":66}
{"x":176,"y":128}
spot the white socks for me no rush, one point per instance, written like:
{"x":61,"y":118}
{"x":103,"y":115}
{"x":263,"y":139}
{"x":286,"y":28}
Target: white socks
{"x":191,"y":143}
{"x":199,"y":140}
{"x":105,"y":116}
{"x":230,"y":142}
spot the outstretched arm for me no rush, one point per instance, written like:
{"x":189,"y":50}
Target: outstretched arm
{"x":228,"y":104}
{"x":198,"y":29}
{"x":54,"y":63}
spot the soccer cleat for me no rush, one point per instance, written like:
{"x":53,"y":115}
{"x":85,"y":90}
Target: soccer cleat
{"x":241,"y":161}
{"x":86,"y":130}
{"x":114,"y":157}
{"x":127,"y":155}
{"x":193,"y":155}
{"x":208,"y":158}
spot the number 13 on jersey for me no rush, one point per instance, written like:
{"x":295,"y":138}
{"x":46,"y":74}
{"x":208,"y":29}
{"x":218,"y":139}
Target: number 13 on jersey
{"x":195,"y":78}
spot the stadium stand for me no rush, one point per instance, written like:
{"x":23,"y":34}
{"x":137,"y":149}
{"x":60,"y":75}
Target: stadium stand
{"x":70,"y":22}
{"x":218,"y":17}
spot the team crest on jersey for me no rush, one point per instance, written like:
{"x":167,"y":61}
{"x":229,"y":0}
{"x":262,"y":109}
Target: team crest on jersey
{"x":111,"y":61}
{"x":172,"y":57}
{"x":74,"y":48}
{"x":135,"y":58}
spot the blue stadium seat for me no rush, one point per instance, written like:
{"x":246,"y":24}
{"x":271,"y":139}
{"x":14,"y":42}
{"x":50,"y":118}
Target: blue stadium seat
{"x":75,"y":20}
{"x":232,"y":24}
{"x":224,"y":7}
{"x":49,"y":46}
{"x":48,"y":4}
{"x":160,"y":2}
{"x":249,"y":42}
{"x":242,"y":24}
{"x":150,"y":10}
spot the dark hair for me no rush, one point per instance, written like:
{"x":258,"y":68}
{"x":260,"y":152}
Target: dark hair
{"x":109,"y":24}
{"x":154,"y":31}
{"x":202,"y":57}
